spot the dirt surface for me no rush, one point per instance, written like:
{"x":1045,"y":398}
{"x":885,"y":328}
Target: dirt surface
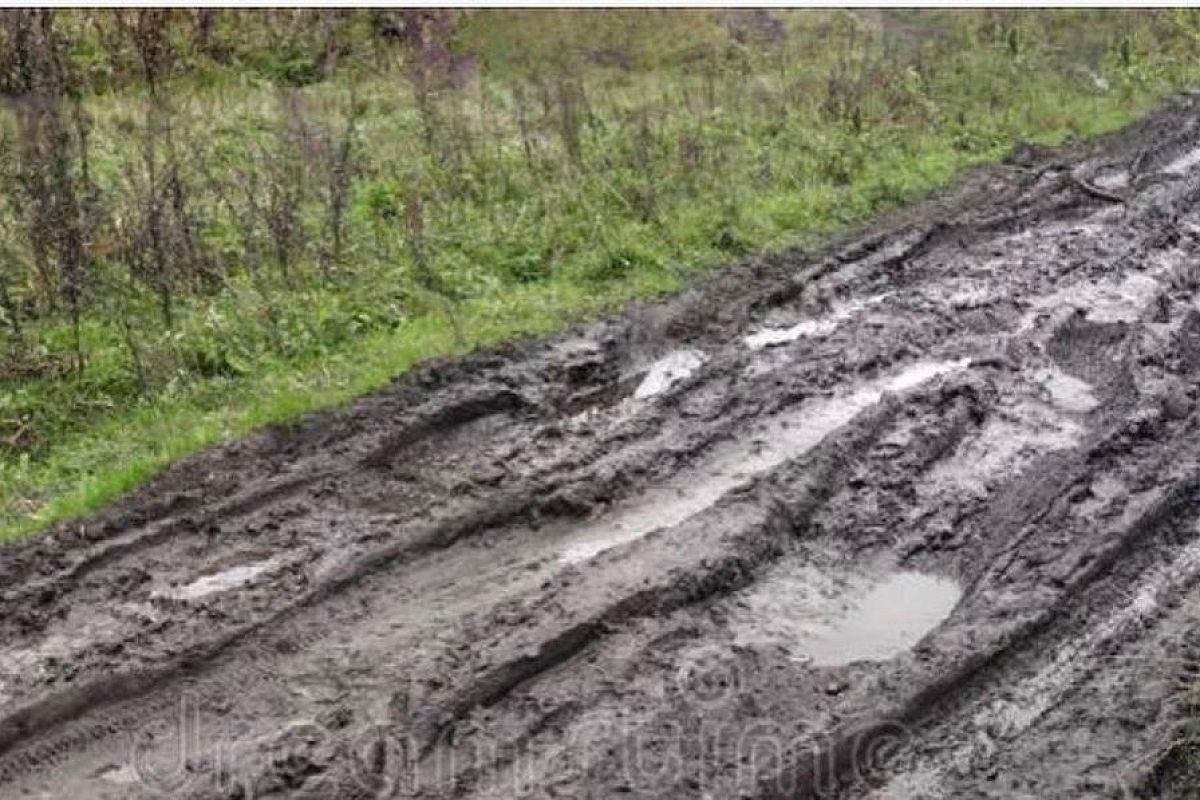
{"x":914,"y":516}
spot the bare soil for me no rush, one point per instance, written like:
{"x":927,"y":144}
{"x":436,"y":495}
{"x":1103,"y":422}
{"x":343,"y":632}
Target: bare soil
{"x":917,"y":515}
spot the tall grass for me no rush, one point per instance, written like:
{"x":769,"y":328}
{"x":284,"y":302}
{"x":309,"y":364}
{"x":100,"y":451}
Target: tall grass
{"x":273,"y":225}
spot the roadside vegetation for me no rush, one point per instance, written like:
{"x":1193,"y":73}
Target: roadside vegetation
{"x":212,"y":220}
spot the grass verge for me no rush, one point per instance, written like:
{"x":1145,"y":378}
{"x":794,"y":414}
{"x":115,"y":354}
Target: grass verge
{"x":119,"y":453}
{"x":324,"y":231}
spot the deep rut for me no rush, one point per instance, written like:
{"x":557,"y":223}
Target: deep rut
{"x":914,"y":516}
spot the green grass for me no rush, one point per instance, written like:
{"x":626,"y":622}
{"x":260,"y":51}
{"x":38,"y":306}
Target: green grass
{"x":119,"y":453}
{"x":697,"y":151}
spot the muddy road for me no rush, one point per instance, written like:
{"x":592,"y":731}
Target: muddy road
{"x":914,"y":516}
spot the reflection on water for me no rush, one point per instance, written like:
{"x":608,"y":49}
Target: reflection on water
{"x":891,"y":618}
{"x":765,"y":445}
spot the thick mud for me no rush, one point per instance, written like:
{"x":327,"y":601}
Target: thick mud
{"x":914,"y":516}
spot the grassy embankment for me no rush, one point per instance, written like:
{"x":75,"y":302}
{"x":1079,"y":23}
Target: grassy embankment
{"x":559,"y":172}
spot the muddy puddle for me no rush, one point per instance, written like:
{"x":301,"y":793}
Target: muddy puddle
{"x":770,"y":443}
{"x":829,"y":621}
{"x":781,"y":334}
{"x":1184,"y":163}
{"x":772,"y":337}
{"x":893,"y":616}
{"x":120,"y":775}
{"x":820,"y":326}
{"x":667,"y":372}
{"x":217,"y":582}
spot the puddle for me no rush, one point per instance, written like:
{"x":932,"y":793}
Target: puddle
{"x":667,"y":371}
{"x":221,"y":581}
{"x":918,"y":373}
{"x":1184,"y":163}
{"x":771,"y":337}
{"x":827,"y":624}
{"x":728,"y":466}
{"x":769,"y":443}
{"x":120,"y":775}
{"x":1112,"y":179}
{"x":891,"y":618}
{"x":1068,"y":392}
{"x":821,"y":326}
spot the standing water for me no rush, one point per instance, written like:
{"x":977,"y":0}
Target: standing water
{"x":667,"y":371}
{"x":890,"y":619}
{"x":775,"y":440}
{"x":829,"y":620}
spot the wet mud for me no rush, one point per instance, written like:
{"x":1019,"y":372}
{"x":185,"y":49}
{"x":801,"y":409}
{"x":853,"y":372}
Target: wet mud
{"x":916,"y":515}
